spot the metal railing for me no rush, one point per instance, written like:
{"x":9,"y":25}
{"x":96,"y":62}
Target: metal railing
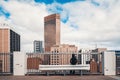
{"x":60,"y":59}
{"x":6,"y":63}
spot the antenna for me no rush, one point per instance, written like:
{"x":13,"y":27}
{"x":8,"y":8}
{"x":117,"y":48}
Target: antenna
{"x":95,"y":45}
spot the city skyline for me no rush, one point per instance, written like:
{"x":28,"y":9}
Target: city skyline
{"x":84,"y":23}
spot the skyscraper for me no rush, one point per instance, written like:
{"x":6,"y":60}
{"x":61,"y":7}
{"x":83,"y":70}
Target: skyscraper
{"x":51,"y":31}
{"x":38,"y":46}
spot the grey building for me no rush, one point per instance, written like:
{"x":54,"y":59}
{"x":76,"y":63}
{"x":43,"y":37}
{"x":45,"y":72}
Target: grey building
{"x":14,"y":41}
{"x":38,"y":46}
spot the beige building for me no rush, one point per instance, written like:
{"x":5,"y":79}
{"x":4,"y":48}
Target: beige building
{"x":9,"y":42}
{"x":60,"y":59}
{"x":64,"y":48}
{"x":4,"y":40}
{"x":51,"y":31}
{"x":99,"y":50}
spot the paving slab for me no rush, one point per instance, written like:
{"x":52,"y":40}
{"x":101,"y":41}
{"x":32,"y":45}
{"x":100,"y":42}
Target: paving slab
{"x":56,"y":78}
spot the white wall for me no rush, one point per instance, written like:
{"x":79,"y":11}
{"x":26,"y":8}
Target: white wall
{"x":19,"y":63}
{"x":85,"y":57}
{"x":109,"y":63}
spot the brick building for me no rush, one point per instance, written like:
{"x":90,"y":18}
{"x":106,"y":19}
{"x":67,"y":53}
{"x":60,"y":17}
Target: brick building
{"x":36,"y":60}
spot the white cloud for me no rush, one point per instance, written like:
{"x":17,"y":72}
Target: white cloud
{"x":94,"y":24}
{"x":28,"y":20}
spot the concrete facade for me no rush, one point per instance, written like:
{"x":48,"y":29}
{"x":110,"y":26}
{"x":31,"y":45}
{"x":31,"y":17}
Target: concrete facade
{"x":109,"y":63}
{"x":60,"y":59}
{"x":51,"y":31}
{"x":19,"y":63}
{"x":64,"y":48}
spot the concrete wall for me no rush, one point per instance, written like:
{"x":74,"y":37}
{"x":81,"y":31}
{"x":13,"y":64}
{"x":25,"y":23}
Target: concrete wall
{"x":19,"y":63}
{"x":109,"y":63}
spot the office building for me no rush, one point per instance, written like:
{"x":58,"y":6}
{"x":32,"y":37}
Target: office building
{"x":60,"y":59}
{"x":51,"y":31}
{"x":9,"y":42}
{"x":38,"y":46}
{"x":64,"y":48}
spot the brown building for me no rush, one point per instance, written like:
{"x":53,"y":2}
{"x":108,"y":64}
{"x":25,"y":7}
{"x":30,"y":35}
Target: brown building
{"x":5,"y":62}
{"x":9,"y":42}
{"x":51,"y":31}
{"x":93,"y":66}
{"x":64,"y":48}
{"x":36,"y":60}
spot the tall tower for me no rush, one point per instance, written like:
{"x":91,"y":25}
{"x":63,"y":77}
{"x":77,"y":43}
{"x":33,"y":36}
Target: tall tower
{"x":51,"y":31}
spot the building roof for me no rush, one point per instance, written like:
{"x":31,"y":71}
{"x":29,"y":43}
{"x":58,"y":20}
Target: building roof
{"x":51,"y":17}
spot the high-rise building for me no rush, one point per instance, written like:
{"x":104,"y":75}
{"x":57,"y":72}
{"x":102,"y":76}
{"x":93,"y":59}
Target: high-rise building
{"x":51,"y":31}
{"x":38,"y":46}
{"x":9,"y":41}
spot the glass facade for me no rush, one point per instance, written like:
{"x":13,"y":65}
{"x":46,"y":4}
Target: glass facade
{"x":118,"y":63}
{"x":14,"y":41}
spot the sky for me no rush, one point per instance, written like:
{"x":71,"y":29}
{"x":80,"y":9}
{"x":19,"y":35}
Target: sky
{"x":84,"y":23}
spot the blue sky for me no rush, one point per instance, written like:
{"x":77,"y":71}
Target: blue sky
{"x":58,"y":9}
{"x":3,"y":12}
{"x":59,"y":1}
{"x":83,"y":22}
